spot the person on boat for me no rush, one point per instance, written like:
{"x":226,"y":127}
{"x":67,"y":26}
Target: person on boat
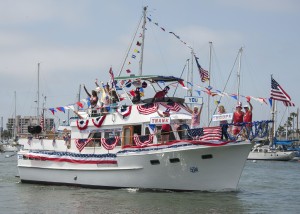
{"x":165,"y":128}
{"x":137,"y":96}
{"x":238,"y":116}
{"x":248,"y":116}
{"x":93,"y":99}
{"x":160,"y":95}
{"x":223,"y":123}
{"x":196,"y":113}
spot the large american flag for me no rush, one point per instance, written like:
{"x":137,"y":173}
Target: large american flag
{"x":206,"y":133}
{"x":277,"y":93}
{"x":203,"y":73}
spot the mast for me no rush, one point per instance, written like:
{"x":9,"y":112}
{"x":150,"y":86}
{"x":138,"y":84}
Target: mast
{"x":38,"y":93}
{"x":15,"y":123}
{"x":272,"y":134}
{"x":208,"y":96}
{"x":1,"y":129}
{"x":297,"y":127}
{"x":79,"y":96}
{"x":143,"y":39}
{"x":187,"y":77}
{"x":192,"y":78}
{"x":239,"y":74}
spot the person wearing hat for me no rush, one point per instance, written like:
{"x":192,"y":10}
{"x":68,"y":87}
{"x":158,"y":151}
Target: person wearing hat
{"x":238,"y":117}
{"x":165,"y":128}
{"x":160,"y":95}
{"x":248,"y":115}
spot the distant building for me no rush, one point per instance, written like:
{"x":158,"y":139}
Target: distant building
{"x":22,"y":123}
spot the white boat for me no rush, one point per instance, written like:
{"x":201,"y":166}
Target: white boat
{"x":121,"y":150}
{"x":264,"y":152}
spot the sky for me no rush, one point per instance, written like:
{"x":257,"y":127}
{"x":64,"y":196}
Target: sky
{"x":77,"y":41}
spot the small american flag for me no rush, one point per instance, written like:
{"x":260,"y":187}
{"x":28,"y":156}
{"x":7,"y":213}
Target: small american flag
{"x":42,"y":123}
{"x":172,"y":106}
{"x":203,"y":73}
{"x":277,"y":93}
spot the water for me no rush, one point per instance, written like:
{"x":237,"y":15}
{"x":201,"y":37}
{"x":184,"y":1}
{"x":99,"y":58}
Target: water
{"x":265,"y":187}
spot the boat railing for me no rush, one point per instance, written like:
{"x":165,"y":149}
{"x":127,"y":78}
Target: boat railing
{"x":250,"y":130}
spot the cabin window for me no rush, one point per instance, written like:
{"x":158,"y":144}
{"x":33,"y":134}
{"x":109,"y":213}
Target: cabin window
{"x":209,"y":156}
{"x":154,"y":162}
{"x":96,"y":140}
{"x":174,"y":160}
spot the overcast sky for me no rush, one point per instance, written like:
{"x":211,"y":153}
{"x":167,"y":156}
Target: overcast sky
{"x":77,"y":41}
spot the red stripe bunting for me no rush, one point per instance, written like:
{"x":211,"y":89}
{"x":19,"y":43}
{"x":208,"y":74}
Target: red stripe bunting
{"x":147,"y":108}
{"x":98,"y":121}
{"x":143,"y":140}
{"x":110,"y":143}
{"x":82,"y":124}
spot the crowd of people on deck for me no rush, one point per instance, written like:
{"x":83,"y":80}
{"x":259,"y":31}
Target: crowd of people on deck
{"x":109,"y":99}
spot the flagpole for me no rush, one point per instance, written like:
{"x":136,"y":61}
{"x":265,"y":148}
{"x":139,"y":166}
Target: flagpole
{"x":38,"y":94}
{"x":239,"y":74}
{"x":209,"y":72}
{"x":143,"y":39}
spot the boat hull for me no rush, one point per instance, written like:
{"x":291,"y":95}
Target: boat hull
{"x":270,"y":155}
{"x":195,"y":167}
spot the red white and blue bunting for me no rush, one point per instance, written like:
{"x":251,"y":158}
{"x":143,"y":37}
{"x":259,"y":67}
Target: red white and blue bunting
{"x":124,"y":110}
{"x":143,"y":140}
{"x":82,"y":124}
{"x":147,"y":108}
{"x":73,"y":157}
{"x":98,"y":121}
{"x":81,"y":143}
{"x":110,"y":143}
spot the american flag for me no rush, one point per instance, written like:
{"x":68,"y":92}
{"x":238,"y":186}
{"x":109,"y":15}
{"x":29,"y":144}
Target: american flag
{"x":81,"y":143}
{"x":53,"y":128}
{"x":172,"y":106}
{"x":203,"y":73}
{"x":206,"y":133}
{"x":277,"y":93}
{"x":42,"y":123}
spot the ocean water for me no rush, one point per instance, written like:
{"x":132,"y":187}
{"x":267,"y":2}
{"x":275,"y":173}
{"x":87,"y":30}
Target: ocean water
{"x":265,"y":187}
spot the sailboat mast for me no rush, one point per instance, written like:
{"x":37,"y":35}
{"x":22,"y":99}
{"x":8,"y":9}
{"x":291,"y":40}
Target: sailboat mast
{"x":209,"y":73}
{"x":272,"y":135}
{"x":38,"y":93}
{"x":15,"y":123}
{"x":239,"y":74}
{"x":143,"y":39}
